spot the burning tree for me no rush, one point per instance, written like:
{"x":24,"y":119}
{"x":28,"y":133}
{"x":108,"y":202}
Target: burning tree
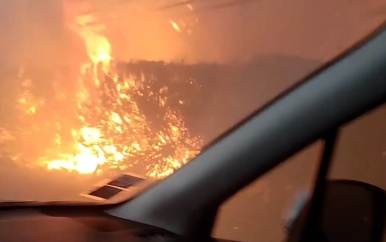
{"x":130,"y":117}
{"x":134,"y":122}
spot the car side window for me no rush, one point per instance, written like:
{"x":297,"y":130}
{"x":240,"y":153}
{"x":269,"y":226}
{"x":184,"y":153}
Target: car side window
{"x":361,"y":150}
{"x":260,"y":210}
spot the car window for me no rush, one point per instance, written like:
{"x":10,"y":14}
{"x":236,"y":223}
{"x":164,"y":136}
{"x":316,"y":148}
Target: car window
{"x":90,"y":89}
{"x":361,"y":152}
{"x":260,"y":210}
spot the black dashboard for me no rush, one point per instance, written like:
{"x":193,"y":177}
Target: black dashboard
{"x":74,"y":224}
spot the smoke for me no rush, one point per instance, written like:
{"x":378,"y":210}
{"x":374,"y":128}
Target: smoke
{"x":35,"y":32}
{"x":32,"y":33}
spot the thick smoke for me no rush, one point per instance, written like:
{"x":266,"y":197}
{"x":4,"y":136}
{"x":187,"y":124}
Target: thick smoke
{"x":238,"y":32}
{"x":34,"y":32}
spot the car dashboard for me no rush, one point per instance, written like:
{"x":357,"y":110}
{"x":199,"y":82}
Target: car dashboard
{"x":76,"y":224}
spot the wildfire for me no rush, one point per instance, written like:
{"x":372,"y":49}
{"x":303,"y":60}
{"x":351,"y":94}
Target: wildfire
{"x":97,"y":46}
{"x":27,"y":101}
{"x":88,"y":154}
{"x":115,"y":132}
{"x":121,"y":118}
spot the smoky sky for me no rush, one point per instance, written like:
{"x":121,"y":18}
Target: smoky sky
{"x":35,"y":32}
{"x":311,"y":29}
{"x":31,"y":33}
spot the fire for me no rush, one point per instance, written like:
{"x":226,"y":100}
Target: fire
{"x":121,"y":135}
{"x":27,"y":102}
{"x":98,"y":48}
{"x":88,"y":154}
{"x":114,"y":128}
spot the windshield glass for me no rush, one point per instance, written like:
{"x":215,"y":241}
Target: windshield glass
{"x":90,"y":89}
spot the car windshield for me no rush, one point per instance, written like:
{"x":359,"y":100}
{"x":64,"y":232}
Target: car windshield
{"x":91,"y":89}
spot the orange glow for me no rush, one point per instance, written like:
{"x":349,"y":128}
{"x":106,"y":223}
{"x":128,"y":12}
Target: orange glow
{"x":27,"y":102}
{"x":97,"y":46}
{"x":111,"y":130}
{"x":88,"y":155}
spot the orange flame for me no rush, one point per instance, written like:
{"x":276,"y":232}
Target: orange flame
{"x":88,"y":154}
{"x":97,"y":46}
{"x":95,"y":147}
{"x":117,"y":135}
